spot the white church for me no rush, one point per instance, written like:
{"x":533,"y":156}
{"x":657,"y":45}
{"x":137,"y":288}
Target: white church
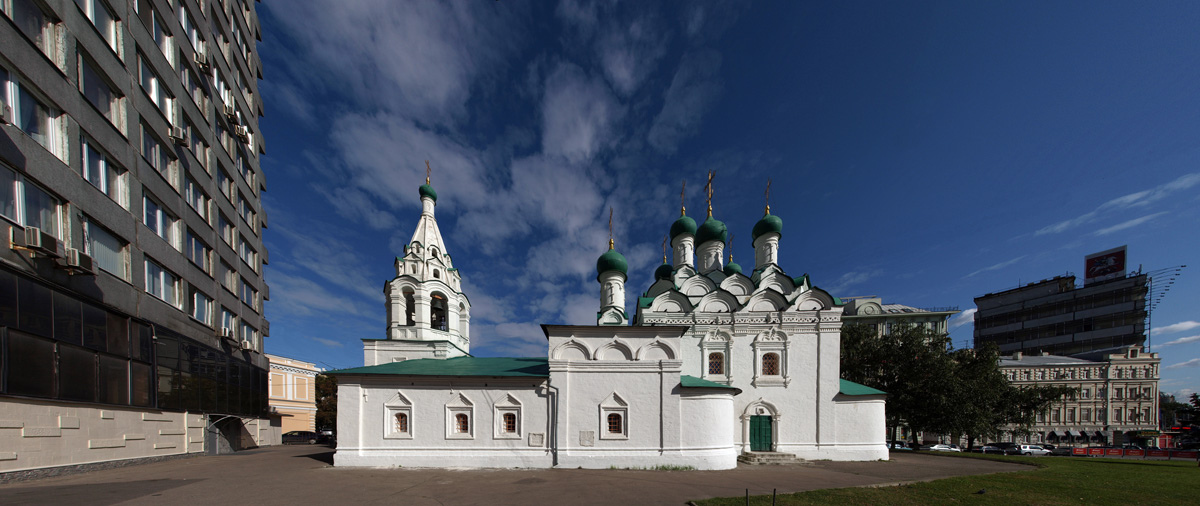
{"x":714,"y":364}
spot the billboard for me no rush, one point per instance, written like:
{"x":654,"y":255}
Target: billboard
{"x":1104,"y":265}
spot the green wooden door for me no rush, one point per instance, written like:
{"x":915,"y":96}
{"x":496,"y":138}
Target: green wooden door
{"x":760,"y":433}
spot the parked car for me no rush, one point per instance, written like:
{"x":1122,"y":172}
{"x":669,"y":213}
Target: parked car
{"x":944,"y":448}
{"x":302,"y":437}
{"x":1034,"y":450}
{"x":989,"y":449}
{"x":1062,"y":451}
{"x":898,"y":445}
{"x":1003,"y":446}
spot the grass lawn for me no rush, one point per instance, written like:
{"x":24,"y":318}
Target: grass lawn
{"x":1057,"y":480}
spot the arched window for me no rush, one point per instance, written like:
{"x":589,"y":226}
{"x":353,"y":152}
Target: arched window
{"x":410,"y":307}
{"x":462,"y":424}
{"x":614,"y":423}
{"x":510,"y":423}
{"x":770,"y":364}
{"x":437,"y":274}
{"x":401,"y":422}
{"x":437,"y":311}
{"x":716,"y":363}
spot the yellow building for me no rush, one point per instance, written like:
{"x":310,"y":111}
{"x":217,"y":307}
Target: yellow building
{"x":293,"y":393}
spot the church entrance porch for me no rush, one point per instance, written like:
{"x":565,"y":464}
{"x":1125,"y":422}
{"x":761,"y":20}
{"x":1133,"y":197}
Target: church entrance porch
{"x":760,"y":433}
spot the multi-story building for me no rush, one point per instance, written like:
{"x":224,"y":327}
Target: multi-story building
{"x":131,"y":290}
{"x":1115,"y":399}
{"x":882,"y":317}
{"x":1056,"y":316}
{"x":293,"y":393}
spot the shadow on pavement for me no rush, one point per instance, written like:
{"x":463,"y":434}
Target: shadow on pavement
{"x":322,"y":455}
{"x":92,"y":493}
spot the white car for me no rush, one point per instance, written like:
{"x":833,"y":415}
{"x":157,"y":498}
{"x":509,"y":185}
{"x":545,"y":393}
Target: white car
{"x":945,"y":448}
{"x":1030,"y":450}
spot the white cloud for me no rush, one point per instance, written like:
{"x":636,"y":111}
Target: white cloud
{"x":1195,"y":362}
{"x":850,"y":279}
{"x":996,"y":267}
{"x":1132,"y":200}
{"x":297,"y":296}
{"x":1182,"y":340}
{"x":963,"y":318}
{"x":418,"y":58}
{"x":328,"y":342}
{"x":1129,"y":224}
{"x":579,"y":114}
{"x":1175,"y":327}
{"x":693,"y":89}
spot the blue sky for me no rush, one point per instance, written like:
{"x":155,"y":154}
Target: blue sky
{"x":925,"y":153}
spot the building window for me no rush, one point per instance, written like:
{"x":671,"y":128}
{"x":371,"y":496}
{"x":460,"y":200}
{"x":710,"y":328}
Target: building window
{"x":510,"y":423}
{"x":248,"y":254}
{"x":614,"y":424}
{"x":401,"y":423}
{"x":250,"y":335}
{"x":102,"y":17}
{"x":226,"y":229}
{"x":226,"y":185}
{"x":109,"y":251}
{"x":770,"y":364}
{"x":159,"y":221}
{"x":1118,"y":393}
{"x":158,"y":155}
{"x":196,"y":198}
{"x":201,"y":306}
{"x":228,"y":319}
{"x":1085,"y":415}
{"x":191,"y":34}
{"x":161,"y":283}
{"x":28,"y":205}
{"x":462,"y":424}
{"x":228,"y":277}
{"x":99,"y":91}
{"x":1085,"y":394}
{"x":716,"y":363}
{"x":100,"y":170}
{"x":1117,"y":415}
{"x":34,"y":23}
{"x":248,"y":294}
{"x":155,"y":88}
{"x":199,"y":252}
{"x":31,"y":114}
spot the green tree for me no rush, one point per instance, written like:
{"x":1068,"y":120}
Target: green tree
{"x":1195,"y":400}
{"x":1169,"y":410}
{"x":326,"y":401}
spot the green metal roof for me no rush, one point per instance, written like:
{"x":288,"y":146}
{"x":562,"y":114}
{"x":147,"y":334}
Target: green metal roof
{"x":427,"y":191}
{"x":611,"y":260}
{"x":851,"y":388}
{"x":459,"y":366}
{"x":694,"y":382}
{"x":645,"y":301}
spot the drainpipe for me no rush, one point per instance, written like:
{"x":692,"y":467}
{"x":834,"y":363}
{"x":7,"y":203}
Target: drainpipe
{"x":552,"y":400}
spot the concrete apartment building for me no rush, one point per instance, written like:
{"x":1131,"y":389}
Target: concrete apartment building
{"x":1058,"y":317}
{"x":293,"y":393}
{"x":872,"y":311}
{"x":131,"y":290}
{"x":1116,"y":398}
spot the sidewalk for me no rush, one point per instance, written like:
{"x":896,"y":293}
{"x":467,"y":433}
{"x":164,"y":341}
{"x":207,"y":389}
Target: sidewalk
{"x":303,"y":475}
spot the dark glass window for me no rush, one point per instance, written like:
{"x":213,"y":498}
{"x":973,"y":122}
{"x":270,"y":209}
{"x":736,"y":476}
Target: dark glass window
{"x":142,"y":383}
{"x":114,"y":380}
{"x":8,"y":299}
{"x":142,"y":340}
{"x":68,"y":319}
{"x":33,"y":373}
{"x":34,"y":301}
{"x":76,"y":373}
{"x":95,"y":327}
{"x":118,"y":335}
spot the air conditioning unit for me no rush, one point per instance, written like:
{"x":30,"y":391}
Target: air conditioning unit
{"x":242,"y":131}
{"x":38,"y":241}
{"x":5,"y":110}
{"x":247,"y":345}
{"x":80,"y":262}
{"x":226,"y":333}
{"x":231,"y":113}
{"x":201,"y":56}
{"x":176,"y":136}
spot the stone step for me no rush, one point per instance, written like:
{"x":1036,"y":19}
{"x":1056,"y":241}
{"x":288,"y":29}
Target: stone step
{"x":770,"y":459}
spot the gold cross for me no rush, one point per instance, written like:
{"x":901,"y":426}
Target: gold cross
{"x":729,"y":246}
{"x":610,"y":233}
{"x":682,"y":207}
{"x":768,"y":195}
{"x":664,"y":247}
{"x":427,"y":171}
{"x":709,"y":189}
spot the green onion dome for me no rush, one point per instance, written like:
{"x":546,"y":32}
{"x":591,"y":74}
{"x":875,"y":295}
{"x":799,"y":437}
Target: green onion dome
{"x":712,"y":230}
{"x":427,"y":191}
{"x":684,"y":225}
{"x":769,"y":223}
{"x":611,"y":260}
{"x":732,"y":268}
{"x":664,"y":271}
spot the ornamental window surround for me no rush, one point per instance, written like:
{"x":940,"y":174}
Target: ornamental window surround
{"x":717,"y":346}
{"x":771,"y":358}
{"x":614,"y":418}
{"x":507,"y":416}
{"x":398,"y":421}
{"x":459,"y":413}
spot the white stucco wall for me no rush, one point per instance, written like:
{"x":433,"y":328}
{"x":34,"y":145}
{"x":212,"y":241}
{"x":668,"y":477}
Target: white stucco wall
{"x":861,"y":432}
{"x":364,"y":418}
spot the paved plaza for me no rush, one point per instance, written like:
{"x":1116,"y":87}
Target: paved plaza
{"x":303,"y":475}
